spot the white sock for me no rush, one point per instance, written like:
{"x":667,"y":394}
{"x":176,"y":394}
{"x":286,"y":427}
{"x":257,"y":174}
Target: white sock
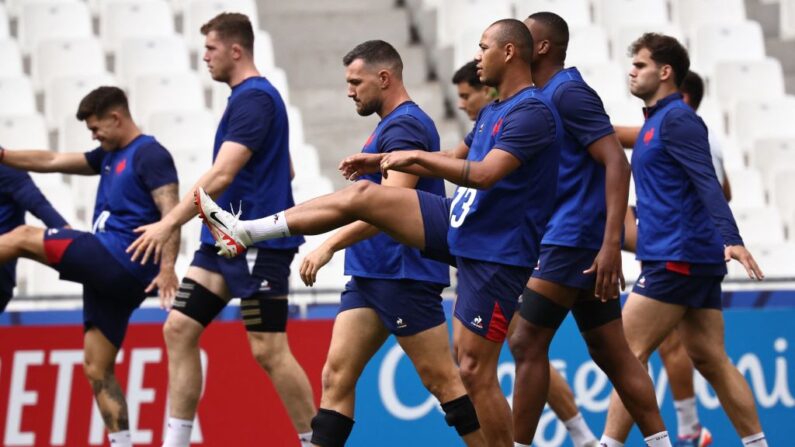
{"x":120,"y":439}
{"x":516,"y":444}
{"x":178,"y":433}
{"x":579,"y":431}
{"x":687,"y":421}
{"x":660,"y":439}
{"x":271,"y":227}
{"x":607,"y":441}
{"x":305,"y":439}
{"x":757,"y":440}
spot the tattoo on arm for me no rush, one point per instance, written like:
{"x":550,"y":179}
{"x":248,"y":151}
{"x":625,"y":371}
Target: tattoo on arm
{"x":111,"y":402}
{"x":166,"y":198}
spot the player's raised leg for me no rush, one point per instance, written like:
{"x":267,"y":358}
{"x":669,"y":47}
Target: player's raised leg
{"x":24,"y":241}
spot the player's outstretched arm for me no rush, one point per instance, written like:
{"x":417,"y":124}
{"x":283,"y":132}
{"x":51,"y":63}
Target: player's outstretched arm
{"x":47,"y":161}
{"x":627,"y":135}
{"x":166,"y":199}
{"x":231,"y":158}
{"x":357,"y":165}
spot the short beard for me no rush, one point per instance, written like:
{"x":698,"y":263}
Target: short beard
{"x":370,"y":108}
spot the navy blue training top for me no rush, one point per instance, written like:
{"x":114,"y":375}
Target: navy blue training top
{"x":381,"y":257}
{"x":256,"y":118}
{"x":18,"y":194}
{"x":682,"y":213}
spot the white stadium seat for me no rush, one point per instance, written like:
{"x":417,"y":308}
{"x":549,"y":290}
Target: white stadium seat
{"x":123,"y":19}
{"x":67,"y":57}
{"x":770,"y":154}
{"x":276,"y":76}
{"x":73,"y":136}
{"x":613,"y":14}
{"x":454,"y":17}
{"x":63,"y":94}
{"x":14,"y":7}
{"x":608,"y":79}
{"x":724,"y":42}
{"x":158,"y":93}
{"x":625,"y":35}
{"x":198,"y":12}
{"x":759,"y":225}
{"x":587,"y":45}
{"x":38,"y":279}
{"x":23,"y":131}
{"x":62,"y":20}
{"x":787,"y":19}
{"x":625,"y":112}
{"x":183,"y":131}
{"x":762,"y":118}
{"x":4,"y":31}
{"x":689,"y":13}
{"x":748,"y":80}
{"x":16,"y":96}
{"x":151,"y":55}
{"x":783,"y":185}
{"x":11,"y":57}
{"x":747,"y":188}
{"x":575,"y":12}
{"x":775,"y":260}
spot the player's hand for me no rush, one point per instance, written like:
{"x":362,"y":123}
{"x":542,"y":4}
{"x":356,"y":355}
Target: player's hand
{"x":150,"y":242}
{"x":358,"y":165}
{"x":166,"y":283}
{"x":609,"y":277}
{"x":742,"y":254}
{"x":397,"y":160}
{"x":312,"y":263}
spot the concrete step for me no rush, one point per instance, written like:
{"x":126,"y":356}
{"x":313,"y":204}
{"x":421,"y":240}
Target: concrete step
{"x":766,"y":14}
{"x":789,"y":84}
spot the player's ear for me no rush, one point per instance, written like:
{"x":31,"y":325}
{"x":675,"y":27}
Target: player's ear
{"x":543,"y":47}
{"x":237,"y":51}
{"x":666,"y":72}
{"x":384,"y":78}
{"x":510,"y":51}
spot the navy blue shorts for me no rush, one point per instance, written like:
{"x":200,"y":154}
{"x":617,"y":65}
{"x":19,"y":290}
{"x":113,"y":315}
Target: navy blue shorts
{"x":435,"y":211}
{"x":661,"y":284}
{"x":488,"y":296}
{"x":565,"y":266}
{"x":260,"y":271}
{"x":110,"y":292}
{"x":405,"y":306}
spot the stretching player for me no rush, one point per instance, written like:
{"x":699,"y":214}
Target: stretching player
{"x":251,"y":167}
{"x":579,"y":268}
{"x":507,"y":168}
{"x":18,"y":194}
{"x":683,"y":265}
{"x":138,"y":185}
{"x":473,"y":96}
{"x":393,"y":289}
{"x":690,"y":432}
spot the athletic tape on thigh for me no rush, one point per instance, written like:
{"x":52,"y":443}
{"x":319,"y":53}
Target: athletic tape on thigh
{"x":262,"y":313}
{"x":591,"y":314}
{"x":460,"y":413}
{"x":330,"y":429}
{"x":197,"y":302}
{"x":541,"y":311}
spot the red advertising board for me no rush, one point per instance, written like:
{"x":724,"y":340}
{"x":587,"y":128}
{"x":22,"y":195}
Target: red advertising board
{"x":45,"y":400}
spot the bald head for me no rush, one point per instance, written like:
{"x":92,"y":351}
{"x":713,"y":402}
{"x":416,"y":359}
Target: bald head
{"x":551,"y":34}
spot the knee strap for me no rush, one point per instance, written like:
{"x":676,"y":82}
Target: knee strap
{"x":591,"y":314}
{"x":262,"y":313}
{"x":331,"y":429}
{"x":197,"y":302}
{"x":541,"y":311}
{"x":460,"y":413}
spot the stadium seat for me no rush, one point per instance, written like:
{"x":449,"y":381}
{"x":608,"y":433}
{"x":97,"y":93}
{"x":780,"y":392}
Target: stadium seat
{"x":16,"y":96}
{"x":263,"y":57}
{"x":11,"y":57}
{"x":712,"y":114}
{"x":748,"y":80}
{"x":14,"y":7}
{"x":630,"y":266}
{"x":455,"y":17}
{"x":575,"y":12}
{"x":771,"y":153}
{"x":783,"y":187}
{"x":185,"y":132}
{"x":747,"y":188}
{"x":625,"y":111}
{"x":775,"y":260}
{"x":61,"y":20}
{"x":608,"y":79}
{"x":277,"y":77}
{"x":587,"y":45}
{"x":55,"y":58}
{"x":198,"y":12}
{"x":625,"y":35}
{"x":63,"y":94}
{"x":124,"y":19}
{"x":757,"y":118}
{"x":759,"y":225}
{"x":73,"y":136}
{"x":151,"y":55}
{"x":306,"y":161}
{"x":296,"y":124}
{"x":4,"y":31}
{"x":465,"y":46}
{"x":39,"y":279}
{"x":23,"y":131}
{"x":158,"y":93}
{"x":723,"y":42}
{"x":690,"y":13}
{"x":613,"y":14}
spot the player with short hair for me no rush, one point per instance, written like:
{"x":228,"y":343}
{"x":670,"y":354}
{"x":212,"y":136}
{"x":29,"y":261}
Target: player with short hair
{"x":507,"y":169}
{"x":682,"y":265}
{"x":473,"y":97}
{"x":393,"y":289}
{"x":138,"y":185}
{"x":251,"y":169}
{"x":579,"y":268}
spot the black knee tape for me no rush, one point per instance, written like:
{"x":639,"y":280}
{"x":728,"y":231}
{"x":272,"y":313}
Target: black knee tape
{"x":195,"y":301}
{"x":330,"y":429}
{"x":262,"y":313}
{"x":591,"y":314}
{"x":541,"y":311}
{"x":460,"y":413}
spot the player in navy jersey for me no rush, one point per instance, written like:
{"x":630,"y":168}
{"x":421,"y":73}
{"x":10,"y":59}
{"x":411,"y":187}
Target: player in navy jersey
{"x":579,"y":268}
{"x":138,"y":185}
{"x":473,"y":96}
{"x":18,"y":195}
{"x":682,"y":265}
{"x":393,"y":289}
{"x":251,"y":169}
{"x":507,"y":168}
